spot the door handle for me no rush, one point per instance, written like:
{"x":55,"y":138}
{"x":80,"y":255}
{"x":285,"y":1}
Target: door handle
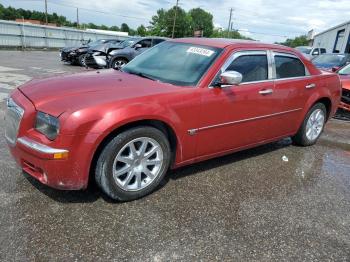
{"x":265,"y":92}
{"x":310,"y":86}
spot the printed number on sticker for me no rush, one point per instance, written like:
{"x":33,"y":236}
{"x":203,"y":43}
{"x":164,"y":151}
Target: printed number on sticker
{"x":200,"y":51}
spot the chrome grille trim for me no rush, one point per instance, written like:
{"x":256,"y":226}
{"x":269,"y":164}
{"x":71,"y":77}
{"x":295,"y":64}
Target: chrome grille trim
{"x":13,"y":117}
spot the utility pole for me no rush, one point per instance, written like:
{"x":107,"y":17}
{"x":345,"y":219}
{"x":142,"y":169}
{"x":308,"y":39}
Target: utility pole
{"x":77,"y":17}
{"x":177,"y":3}
{"x":229,"y":23}
{"x":46,"y":12}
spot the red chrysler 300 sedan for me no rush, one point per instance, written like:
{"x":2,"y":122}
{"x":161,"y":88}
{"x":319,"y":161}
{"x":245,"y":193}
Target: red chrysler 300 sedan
{"x":183,"y":101}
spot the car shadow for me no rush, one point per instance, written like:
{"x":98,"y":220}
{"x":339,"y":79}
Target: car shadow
{"x":228,"y":159}
{"x":93,"y":193}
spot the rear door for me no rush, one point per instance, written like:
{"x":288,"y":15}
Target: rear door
{"x":293,"y":86}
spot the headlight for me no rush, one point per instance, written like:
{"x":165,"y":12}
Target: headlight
{"x":47,"y":125}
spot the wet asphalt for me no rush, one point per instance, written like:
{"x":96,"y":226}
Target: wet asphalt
{"x":277,"y":202}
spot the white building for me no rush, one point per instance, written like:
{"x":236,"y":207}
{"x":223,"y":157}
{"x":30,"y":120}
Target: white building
{"x":335,"y":39}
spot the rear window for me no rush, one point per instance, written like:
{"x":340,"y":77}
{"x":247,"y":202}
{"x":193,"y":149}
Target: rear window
{"x":287,"y":66}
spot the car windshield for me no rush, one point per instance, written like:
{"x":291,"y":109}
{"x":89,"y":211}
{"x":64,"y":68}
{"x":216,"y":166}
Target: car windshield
{"x":331,"y":59}
{"x":128,"y":42}
{"x":304,"y":49}
{"x":175,"y":63}
{"x":345,"y":70}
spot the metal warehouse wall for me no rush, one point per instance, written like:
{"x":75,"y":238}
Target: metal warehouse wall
{"x":13,"y":34}
{"x":328,"y":38}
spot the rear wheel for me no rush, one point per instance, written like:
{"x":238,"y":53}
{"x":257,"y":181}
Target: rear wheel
{"x":133,"y":163}
{"x":312,"y":126}
{"x":118,"y":63}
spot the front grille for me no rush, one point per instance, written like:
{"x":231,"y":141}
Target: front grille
{"x":345,"y":96}
{"x":13,"y":117}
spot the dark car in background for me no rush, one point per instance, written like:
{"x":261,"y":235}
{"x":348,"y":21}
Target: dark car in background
{"x":119,"y":57}
{"x":76,"y":55}
{"x":331,"y":62}
{"x":96,"y":56}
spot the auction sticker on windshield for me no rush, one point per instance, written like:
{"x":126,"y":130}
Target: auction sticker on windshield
{"x":200,"y":51}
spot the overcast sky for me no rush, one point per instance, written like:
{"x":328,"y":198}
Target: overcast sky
{"x":265,"y":20}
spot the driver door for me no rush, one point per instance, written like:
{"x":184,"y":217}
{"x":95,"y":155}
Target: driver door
{"x":238,"y":116}
{"x":145,"y":44}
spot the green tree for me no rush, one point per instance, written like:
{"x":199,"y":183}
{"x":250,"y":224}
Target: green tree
{"x":158,"y":25}
{"x":225,"y":34}
{"x":297,"y":41}
{"x":124,"y":27}
{"x":202,"y":20}
{"x":141,"y":30}
{"x":162,"y":23}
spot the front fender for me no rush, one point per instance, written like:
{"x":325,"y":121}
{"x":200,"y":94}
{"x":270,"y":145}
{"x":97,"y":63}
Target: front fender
{"x":104,"y":122}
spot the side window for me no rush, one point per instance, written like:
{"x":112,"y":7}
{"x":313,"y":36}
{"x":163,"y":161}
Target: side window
{"x":157,"y":41}
{"x":146,"y":43}
{"x":323,"y":51}
{"x":288,"y":67}
{"x":252,"y":67}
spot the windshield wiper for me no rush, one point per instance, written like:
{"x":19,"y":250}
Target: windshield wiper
{"x":141,"y":75}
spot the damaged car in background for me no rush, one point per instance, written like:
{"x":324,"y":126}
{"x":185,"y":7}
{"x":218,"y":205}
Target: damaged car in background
{"x":76,"y":55}
{"x":118,"y":57}
{"x":181,"y":102}
{"x":97,"y":57}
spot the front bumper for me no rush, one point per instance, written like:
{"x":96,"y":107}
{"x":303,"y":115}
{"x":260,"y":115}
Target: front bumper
{"x":60,"y":164}
{"x":41,"y":162}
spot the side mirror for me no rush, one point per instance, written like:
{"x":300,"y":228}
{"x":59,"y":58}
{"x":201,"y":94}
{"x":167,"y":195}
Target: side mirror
{"x":230,"y":78}
{"x":137,"y":46}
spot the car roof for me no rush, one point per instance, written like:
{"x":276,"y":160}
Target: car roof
{"x":226,"y":42}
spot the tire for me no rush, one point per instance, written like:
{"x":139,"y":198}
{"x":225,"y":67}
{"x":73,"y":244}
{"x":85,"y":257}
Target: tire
{"x":81,"y":60}
{"x":306,"y":138}
{"x":127,"y":180}
{"x":117,"y":63}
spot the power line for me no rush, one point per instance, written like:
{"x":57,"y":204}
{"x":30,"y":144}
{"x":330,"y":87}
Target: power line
{"x":85,"y":9}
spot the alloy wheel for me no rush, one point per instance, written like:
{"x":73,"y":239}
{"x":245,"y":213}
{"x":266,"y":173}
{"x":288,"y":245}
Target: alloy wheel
{"x":314,"y":125}
{"x":138,"y":164}
{"x":118,"y":64}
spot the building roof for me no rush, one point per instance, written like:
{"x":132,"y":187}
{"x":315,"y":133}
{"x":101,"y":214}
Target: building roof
{"x":334,"y":27}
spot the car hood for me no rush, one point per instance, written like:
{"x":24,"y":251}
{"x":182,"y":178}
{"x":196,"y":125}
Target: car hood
{"x":345,"y":79}
{"x":77,"y":91}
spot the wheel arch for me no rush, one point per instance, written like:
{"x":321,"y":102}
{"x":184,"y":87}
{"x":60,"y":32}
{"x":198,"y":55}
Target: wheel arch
{"x":327,"y":103}
{"x":161,"y":125}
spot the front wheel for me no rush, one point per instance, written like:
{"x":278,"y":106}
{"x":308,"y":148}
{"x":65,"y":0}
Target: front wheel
{"x":312,"y":126}
{"x":82,"y":60}
{"x":118,"y":63}
{"x":133,"y":164}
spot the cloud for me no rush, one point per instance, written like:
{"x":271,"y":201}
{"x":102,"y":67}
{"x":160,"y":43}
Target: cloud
{"x":267,"y":20}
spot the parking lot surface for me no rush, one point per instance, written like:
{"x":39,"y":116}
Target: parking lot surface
{"x":275,"y":202}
